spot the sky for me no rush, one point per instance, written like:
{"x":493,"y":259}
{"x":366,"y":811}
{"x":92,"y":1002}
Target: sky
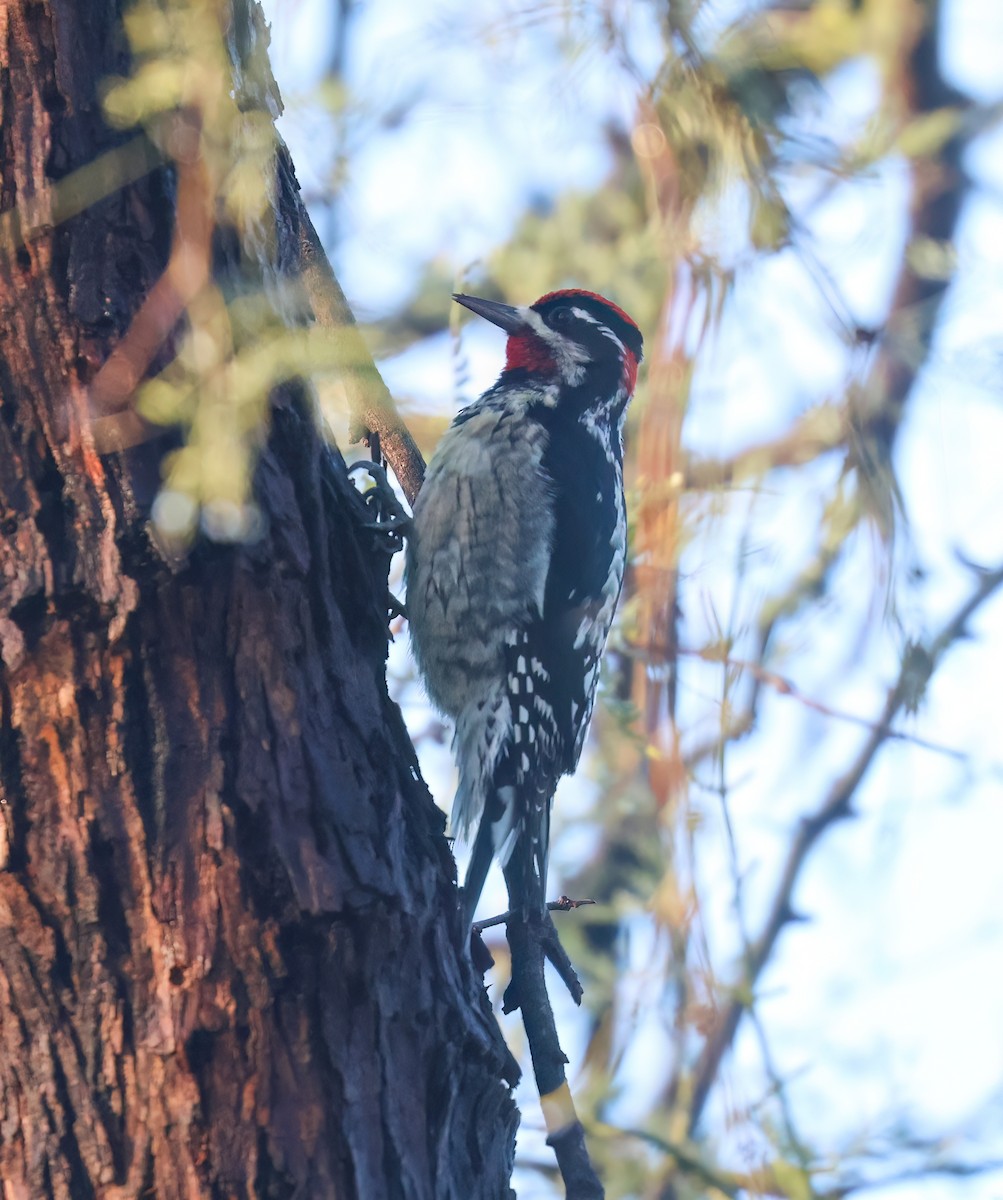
{"x":889,"y":999}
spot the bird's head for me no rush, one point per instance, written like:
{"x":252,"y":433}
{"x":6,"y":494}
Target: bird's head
{"x":571,"y":338}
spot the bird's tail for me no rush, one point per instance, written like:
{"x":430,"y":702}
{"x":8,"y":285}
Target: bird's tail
{"x":477,"y":871}
{"x":495,"y":836}
{"x":519,"y":837}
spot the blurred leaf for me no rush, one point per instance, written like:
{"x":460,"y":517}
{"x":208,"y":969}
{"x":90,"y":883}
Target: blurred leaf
{"x":928,"y":133}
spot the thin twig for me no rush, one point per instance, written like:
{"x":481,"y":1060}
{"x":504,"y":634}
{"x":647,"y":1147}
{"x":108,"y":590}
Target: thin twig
{"x":563,"y":904}
{"x":786,"y":687}
{"x":917,"y":667}
{"x":953,"y":1170}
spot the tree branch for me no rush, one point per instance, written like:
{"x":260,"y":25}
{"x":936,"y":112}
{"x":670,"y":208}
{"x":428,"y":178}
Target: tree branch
{"x":939,"y":187}
{"x":371,"y":406}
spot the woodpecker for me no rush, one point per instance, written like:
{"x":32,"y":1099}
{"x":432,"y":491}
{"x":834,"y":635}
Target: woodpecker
{"x":515,"y":563}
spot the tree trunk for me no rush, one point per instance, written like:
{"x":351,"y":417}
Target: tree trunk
{"x":230,"y":963}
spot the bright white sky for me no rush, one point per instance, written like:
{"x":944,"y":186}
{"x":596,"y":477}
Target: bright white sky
{"x":891,"y":998}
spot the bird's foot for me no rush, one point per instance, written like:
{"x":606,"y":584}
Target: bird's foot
{"x":388,"y":516}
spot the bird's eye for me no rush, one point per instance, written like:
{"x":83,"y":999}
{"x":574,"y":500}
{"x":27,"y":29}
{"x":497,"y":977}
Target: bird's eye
{"x":561,"y":316}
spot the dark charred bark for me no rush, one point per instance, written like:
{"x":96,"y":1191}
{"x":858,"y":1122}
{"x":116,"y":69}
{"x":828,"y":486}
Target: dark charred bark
{"x":229,"y":958}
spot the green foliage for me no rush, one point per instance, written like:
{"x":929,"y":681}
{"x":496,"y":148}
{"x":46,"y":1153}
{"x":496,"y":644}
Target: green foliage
{"x":183,"y":64}
{"x":210,"y":108}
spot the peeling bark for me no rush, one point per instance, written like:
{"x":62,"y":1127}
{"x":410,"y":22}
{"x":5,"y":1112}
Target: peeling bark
{"x":229,"y":958}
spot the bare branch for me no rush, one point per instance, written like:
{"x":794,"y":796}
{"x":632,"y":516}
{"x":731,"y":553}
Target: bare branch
{"x":786,"y":687}
{"x":533,"y":939}
{"x":563,"y":904}
{"x":917,"y":667}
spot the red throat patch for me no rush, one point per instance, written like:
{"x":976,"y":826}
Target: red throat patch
{"x":525,"y":350}
{"x":629,"y":371}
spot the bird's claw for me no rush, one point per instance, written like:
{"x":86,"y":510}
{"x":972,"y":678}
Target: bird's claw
{"x":389,"y":517}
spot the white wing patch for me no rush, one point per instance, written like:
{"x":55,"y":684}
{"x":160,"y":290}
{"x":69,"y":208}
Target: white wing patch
{"x":534,"y":731}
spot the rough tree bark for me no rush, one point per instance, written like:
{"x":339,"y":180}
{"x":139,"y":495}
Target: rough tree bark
{"x":228,"y":946}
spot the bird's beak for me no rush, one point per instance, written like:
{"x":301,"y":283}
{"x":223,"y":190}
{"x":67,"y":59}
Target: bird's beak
{"x":504,"y":315}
